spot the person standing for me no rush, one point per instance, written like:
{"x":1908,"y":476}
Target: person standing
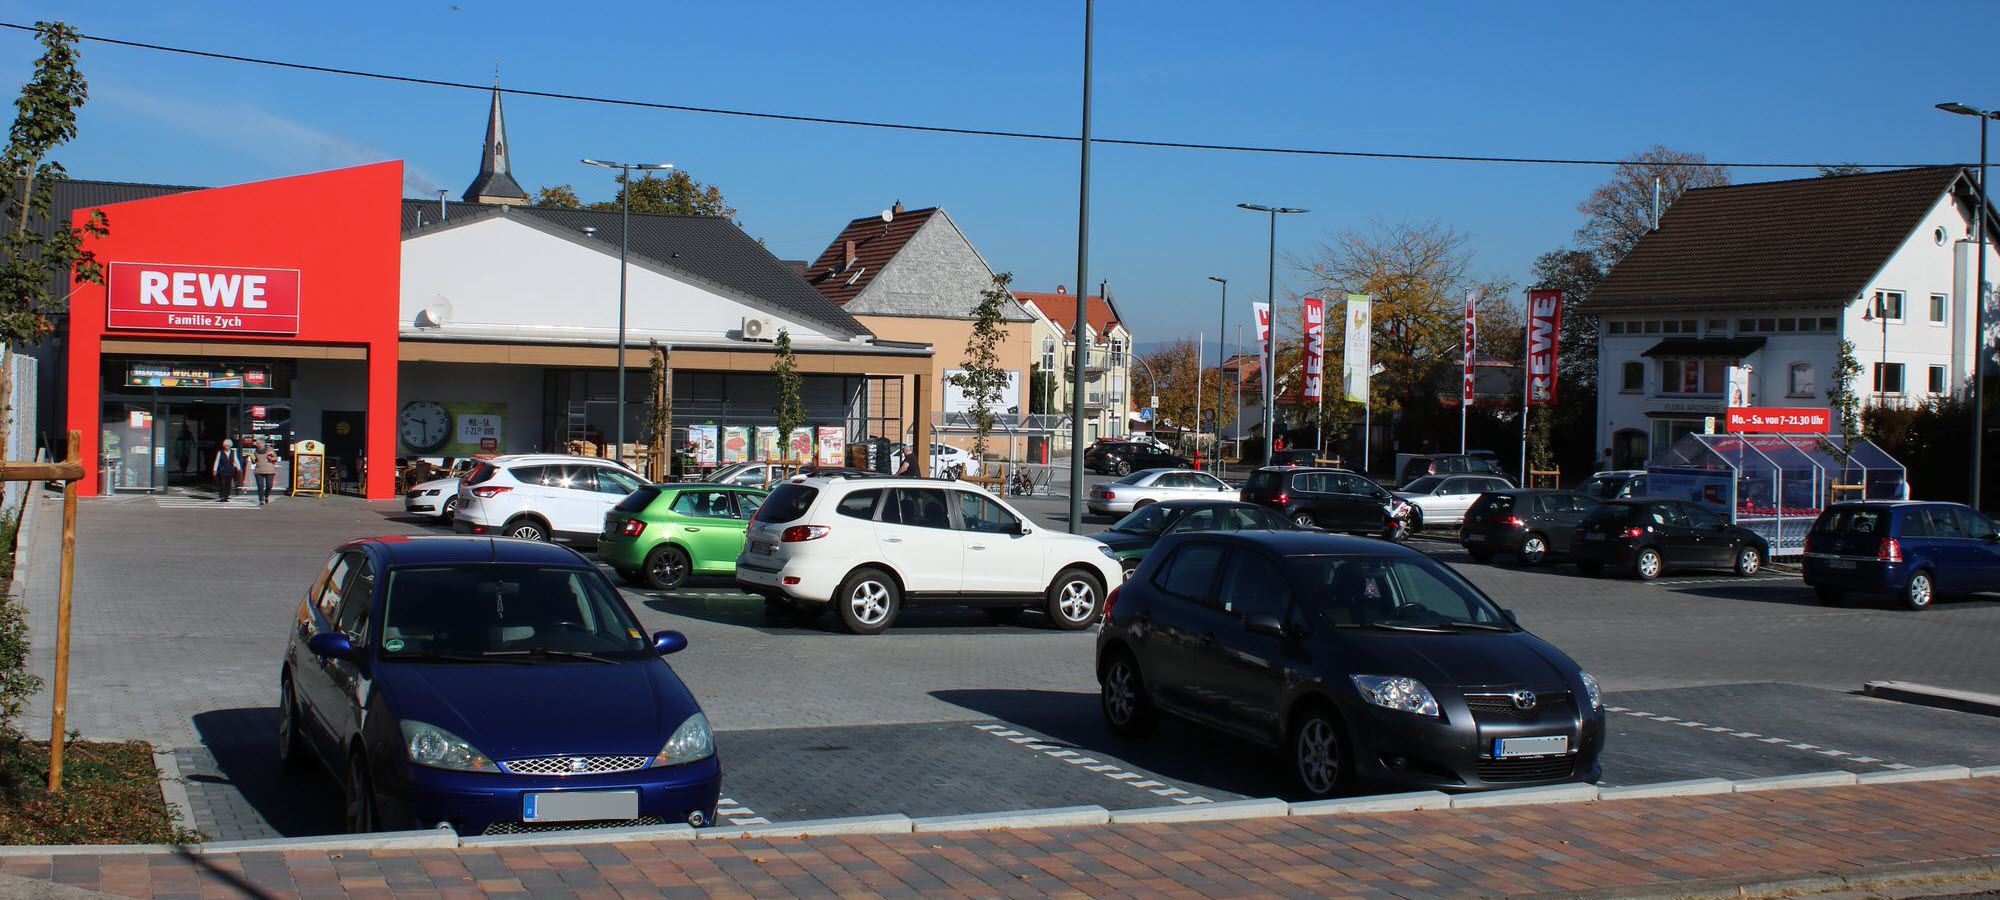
{"x":265,"y":467}
{"x":225,"y":471}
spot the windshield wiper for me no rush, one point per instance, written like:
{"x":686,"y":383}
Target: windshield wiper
{"x":1420,"y":629}
{"x":461,"y":657}
{"x":1479,"y":626}
{"x":544,"y":651}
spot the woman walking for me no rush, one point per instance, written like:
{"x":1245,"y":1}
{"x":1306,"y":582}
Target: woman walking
{"x":265,"y":467}
{"x":225,"y":471}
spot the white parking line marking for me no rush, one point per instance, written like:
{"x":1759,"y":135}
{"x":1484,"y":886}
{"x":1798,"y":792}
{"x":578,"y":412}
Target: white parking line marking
{"x":1167,"y":792}
{"x":1147,"y":784}
{"x":989,"y":727}
{"x":737,"y":813}
{"x":1751,"y":735}
{"x":1059,"y":754}
{"x":1005,"y":733}
{"x":1057,"y":751}
{"x":1192,"y":800}
{"x":1102,"y":768}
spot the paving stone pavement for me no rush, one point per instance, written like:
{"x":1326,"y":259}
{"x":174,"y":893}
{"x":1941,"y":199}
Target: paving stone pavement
{"x":1419,"y":855}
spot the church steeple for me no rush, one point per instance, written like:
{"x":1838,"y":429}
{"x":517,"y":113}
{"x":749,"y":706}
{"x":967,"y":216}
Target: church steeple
{"x":495,"y":183}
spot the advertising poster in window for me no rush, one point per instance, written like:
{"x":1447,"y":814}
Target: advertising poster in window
{"x":802,"y":445}
{"x":767,"y":443}
{"x":735,"y":444}
{"x":705,"y":441}
{"x":476,"y":428}
{"x":832,"y":446}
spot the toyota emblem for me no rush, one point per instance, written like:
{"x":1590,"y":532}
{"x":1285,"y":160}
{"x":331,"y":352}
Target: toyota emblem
{"x":1524,"y":700}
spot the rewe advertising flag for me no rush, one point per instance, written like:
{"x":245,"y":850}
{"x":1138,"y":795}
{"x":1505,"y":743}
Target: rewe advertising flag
{"x":1263,"y":310}
{"x":1471,"y":347}
{"x":1315,"y":350}
{"x":1544,"y":336}
{"x":1354,"y":363}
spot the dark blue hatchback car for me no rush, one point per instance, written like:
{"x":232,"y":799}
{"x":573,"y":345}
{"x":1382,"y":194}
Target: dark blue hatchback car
{"x":1917,"y":551}
{"x":493,"y":684}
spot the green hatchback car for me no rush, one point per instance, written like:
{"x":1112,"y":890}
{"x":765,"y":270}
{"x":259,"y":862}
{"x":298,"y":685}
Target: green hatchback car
{"x":664,"y":533}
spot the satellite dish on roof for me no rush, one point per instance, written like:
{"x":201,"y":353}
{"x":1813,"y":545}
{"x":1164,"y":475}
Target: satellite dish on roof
{"x":888,"y":216}
{"x":435,"y":313}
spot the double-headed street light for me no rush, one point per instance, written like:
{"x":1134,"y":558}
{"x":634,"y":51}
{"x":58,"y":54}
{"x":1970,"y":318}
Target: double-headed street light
{"x":1979,"y":295}
{"x":1221,"y":350}
{"x":624,"y":250}
{"x":1270,"y":297}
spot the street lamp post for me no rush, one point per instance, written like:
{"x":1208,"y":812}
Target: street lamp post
{"x":1221,"y":352}
{"x":624,"y":250}
{"x":1270,"y":296}
{"x":1979,"y":298}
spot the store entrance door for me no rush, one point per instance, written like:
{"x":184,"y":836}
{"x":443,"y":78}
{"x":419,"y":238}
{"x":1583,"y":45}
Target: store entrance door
{"x":345,"y":433}
{"x":191,"y":435}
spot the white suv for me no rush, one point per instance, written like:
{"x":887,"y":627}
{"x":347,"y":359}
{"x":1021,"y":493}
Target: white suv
{"x":542,"y":497}
{"x":867,"y":546}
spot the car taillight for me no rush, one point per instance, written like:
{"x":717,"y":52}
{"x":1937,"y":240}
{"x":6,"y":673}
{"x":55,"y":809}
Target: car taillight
{"x":1510,"y":521}
{"x":1808,"y":546}
{"x":1891,"y":550}
{"x":1283,"y":497}
{"x":1111,"y":600}
{"x":489,"y":492}
{"x":1634,"y":531}
{"x":1110,"y":495}
{"x":632,"y":528}
{"x":804,"y":533}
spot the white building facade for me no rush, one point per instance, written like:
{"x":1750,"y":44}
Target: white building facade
{"x":1774,"y":277}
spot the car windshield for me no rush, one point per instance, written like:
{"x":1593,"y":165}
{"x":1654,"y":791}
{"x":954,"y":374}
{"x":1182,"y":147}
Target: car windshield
{"x":1601,"y":486}
{"x":499,"y":612}
{"x":1394,"y":592}
{"x":1424,"y":485}
{"x":1148,"y":521}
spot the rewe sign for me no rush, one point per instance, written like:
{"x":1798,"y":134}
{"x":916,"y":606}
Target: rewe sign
{"x":1544,"y":330}
{"x":210,"y":299}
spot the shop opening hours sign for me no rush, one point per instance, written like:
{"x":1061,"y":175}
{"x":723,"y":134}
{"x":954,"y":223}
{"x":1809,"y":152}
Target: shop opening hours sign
{"x":210,"y":299}
{"x":1780,"y":419}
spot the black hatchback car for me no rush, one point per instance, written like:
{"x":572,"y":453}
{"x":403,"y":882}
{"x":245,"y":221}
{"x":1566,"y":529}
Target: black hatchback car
{"x":1530,"y":524}
{"x":1126,"y":457}
{"x":1333,"y":499}
{"x":1361,"y":662}
{"x":1647,"y":537}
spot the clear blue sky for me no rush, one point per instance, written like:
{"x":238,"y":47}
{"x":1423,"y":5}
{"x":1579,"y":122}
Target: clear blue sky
{"x":1741,"y":82}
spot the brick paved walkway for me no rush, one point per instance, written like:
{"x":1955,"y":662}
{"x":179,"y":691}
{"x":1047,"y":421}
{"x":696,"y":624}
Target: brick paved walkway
{"x":1418,"y":855}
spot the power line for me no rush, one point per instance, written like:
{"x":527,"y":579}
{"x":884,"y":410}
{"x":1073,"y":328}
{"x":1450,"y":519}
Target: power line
{"x":940,"y":129}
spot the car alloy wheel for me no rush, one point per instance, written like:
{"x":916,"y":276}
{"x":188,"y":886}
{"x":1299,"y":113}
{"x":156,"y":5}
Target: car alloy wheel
{"x":667,"y":567}
{"x":1122,"y":467}
{"x":1304,"y":520}
{"x":1534,"y":549}
{"x":1748,"y":561}
{"x":868,"y":602}
{"x":1073,"y":600}
{"x":291,"y":741}
{"x":1123,"y":693}
{"x":527,"y":529}
{"x":1919,"y":592}
{"x":1647,"y":565}
{"x":361,"y":811}
{"x":450,"y":510}
{"x":1317,"y":757}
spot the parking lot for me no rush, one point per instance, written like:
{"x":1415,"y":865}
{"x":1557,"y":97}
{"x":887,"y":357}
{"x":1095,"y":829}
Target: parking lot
{"x":182,"y":605}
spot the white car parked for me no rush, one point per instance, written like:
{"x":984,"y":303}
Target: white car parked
{"x":436,"y":498}
{"x":868,"y":546}
{"x":1443,"y":499}
{"x":945,"y":458}
{"x":543,"y":497}
{"x":1148,"y":486}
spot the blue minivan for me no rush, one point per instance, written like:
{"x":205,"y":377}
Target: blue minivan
{"x":1916,"y":550}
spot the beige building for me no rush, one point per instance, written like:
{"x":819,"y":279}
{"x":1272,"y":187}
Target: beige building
{"x":1106,"y":395}
{"x":912,"y":276}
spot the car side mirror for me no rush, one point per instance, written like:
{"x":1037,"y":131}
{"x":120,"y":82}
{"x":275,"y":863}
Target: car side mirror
{"x":331,"y":643}
{"x":1264,"y":623}
{"x":665,"y":642}
{"x":1021,"y":528}
{"x":1509,"y":614}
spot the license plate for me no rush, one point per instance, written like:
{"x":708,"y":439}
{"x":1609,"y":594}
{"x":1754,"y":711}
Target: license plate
{"x":1590,"y":537}
{"x":1475,"y":538}
{"x":1840,"y":564}
{"x":762,"y":549}
{"x":1531,"y":746}
{"x":579,"y":806}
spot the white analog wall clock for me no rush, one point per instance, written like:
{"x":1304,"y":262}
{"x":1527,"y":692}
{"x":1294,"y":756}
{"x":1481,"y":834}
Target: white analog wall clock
{"x":424,"y":425}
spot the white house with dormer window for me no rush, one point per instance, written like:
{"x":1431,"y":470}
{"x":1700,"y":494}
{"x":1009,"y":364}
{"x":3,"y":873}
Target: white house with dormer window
{"x":1773,"y":276}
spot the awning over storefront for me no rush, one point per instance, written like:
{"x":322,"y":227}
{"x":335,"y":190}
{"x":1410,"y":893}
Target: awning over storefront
{"x":1706,"y":348}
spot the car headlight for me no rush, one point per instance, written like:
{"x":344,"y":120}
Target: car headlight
{"x":429,"y":745}
{"x":691,"y":742}
{"x":1106,"y":550}
{"x":1590,"y":690}
{"x":1396,"y":692}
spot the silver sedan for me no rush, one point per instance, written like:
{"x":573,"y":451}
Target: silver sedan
{"x":1148,"y":486}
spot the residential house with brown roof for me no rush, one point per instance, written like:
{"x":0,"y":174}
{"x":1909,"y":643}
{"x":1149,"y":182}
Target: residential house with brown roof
{"x":1774,"y":276}
{"x":913,"y":276}
{"x":1106,"y":399}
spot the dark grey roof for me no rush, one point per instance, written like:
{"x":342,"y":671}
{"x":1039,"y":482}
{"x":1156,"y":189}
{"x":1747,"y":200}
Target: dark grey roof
{"x":495,"y":184}
{"x":70,"y":196}
{"x":711,"y":248}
